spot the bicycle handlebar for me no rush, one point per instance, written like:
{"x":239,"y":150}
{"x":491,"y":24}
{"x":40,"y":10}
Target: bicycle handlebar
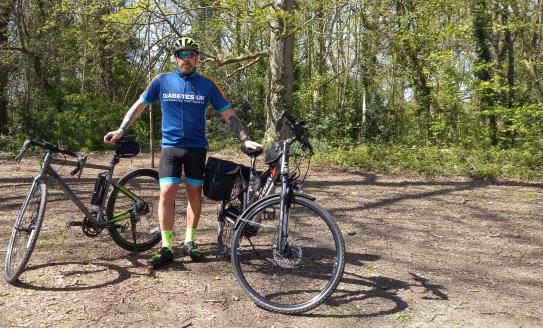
{"x":52,"y":148}
{"x":298,"y":127}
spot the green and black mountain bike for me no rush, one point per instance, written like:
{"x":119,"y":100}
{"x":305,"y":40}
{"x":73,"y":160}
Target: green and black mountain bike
{"x":128,"y":211}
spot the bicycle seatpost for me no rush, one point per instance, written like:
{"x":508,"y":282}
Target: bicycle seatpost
{"x":253,"y":153}
{"x":253,"y":163}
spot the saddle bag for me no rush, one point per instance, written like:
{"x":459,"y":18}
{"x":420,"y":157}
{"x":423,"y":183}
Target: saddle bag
{"x":127,"y":147}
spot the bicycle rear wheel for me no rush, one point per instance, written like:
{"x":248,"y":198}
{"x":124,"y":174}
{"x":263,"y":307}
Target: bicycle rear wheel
{"x":141,"y":232}
{"x":299,"y":278}
{"x":231,"y":209}
{"x":25,"y":232}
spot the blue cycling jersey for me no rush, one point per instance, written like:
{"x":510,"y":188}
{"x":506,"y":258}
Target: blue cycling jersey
{"x":184,"y":101}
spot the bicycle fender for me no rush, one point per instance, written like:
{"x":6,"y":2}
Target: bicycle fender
{"x":312,"y":198}
{"x":257,"y":203}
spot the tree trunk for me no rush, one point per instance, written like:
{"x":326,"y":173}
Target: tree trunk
{"x":5,"y":9}
{"x":320,"y":54}
{"x":531,"y":53}
{"x":105,"y":55}
{"x":509,"y":42}
{"x":422,"y":95}
{"x":281,"y":71}
{"x":488,"y":97}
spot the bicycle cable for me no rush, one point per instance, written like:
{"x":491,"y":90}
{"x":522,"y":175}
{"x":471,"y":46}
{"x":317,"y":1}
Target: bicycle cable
{"x":307,"y":169}
{"x":60,"y":168}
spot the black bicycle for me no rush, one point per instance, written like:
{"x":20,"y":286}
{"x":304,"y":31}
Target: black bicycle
{"x":237,"y":187}
{"x":287,"y":252}
{"x":129,"y":212}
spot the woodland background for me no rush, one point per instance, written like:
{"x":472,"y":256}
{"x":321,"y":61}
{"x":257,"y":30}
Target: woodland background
{"x":436,"y":87}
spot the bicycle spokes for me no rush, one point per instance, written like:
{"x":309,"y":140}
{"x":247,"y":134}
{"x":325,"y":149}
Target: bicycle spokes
{"x":133,"y":210}
{"x":297,"y":274}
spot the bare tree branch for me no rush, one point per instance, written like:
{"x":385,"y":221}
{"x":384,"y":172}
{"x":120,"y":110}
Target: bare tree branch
{"x":166,"y":19}
{"x":217,"y":61}
{"x":251,"y":63}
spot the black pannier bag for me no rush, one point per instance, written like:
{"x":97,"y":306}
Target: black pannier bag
{"x":127,"y":147}
{"x":219,"y":178}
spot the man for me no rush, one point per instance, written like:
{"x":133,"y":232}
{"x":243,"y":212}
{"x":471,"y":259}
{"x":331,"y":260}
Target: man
{"x":184,"y":96}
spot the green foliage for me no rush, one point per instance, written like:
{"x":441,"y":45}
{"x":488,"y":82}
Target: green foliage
{"x":79,"y":120}
{"x":436,"y":97}
{"x":9,"y":145}
{"x":402,"y":317}
{"x":491,"y":163}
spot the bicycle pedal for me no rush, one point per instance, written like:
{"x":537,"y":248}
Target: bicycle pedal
{"x":74,"y":224}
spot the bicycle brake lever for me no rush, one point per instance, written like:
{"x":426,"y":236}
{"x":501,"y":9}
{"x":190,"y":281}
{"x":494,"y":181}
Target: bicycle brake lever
{"x":83,"y":160}
{"x":80,"y":163}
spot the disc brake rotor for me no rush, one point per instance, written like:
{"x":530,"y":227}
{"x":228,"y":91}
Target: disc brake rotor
{"x":290,"y":258}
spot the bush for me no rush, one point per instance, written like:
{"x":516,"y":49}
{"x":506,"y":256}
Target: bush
{"x":491,"y":163}
{"x":9,"y":145}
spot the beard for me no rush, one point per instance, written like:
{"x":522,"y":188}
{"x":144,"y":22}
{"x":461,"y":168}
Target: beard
{"x":186,"y":68}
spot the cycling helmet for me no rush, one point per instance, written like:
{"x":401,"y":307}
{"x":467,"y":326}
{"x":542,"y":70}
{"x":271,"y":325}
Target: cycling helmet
{"x":185,"y":43}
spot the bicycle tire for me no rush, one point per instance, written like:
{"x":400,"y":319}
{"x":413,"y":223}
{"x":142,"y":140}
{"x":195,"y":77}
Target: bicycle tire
{"x":23,"y":251}
{"x":145,"y":184}
{"x":234,"y":205}
{"x":224,"y":237}
{"x":250,"y":264}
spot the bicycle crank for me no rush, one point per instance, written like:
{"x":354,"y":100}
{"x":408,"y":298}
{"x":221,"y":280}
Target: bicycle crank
{"x":90,"y":229}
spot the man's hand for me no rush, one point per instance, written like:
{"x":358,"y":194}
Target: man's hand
{"x":112,"y":136}
{"x":252,"y":145}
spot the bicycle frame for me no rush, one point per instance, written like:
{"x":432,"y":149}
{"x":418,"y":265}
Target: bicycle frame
{"x":285,"y":195}
{"x":249,"y":195}
{"x":101,"y":221}
{"x":248,"y":198}
{"x":265,"y":192}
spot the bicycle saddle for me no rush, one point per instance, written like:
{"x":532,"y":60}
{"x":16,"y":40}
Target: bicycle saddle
{"x":252,"y":152}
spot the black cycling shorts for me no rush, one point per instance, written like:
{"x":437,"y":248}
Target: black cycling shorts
{"x":174,"y":160}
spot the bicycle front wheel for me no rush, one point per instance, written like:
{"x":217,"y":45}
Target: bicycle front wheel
{"x":141,"y":231}
{"x":301,"y":275}
{"x":25,"y":232}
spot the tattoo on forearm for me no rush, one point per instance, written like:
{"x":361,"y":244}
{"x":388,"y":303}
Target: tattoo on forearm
{"x":131,"y":116}
{"x":128,"y":118}
{"x":237,"y":127}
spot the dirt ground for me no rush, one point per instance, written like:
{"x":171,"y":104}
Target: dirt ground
{"x":421,"y":252}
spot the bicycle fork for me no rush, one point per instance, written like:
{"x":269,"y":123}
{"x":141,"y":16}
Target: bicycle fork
{"x":286,"y":197}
